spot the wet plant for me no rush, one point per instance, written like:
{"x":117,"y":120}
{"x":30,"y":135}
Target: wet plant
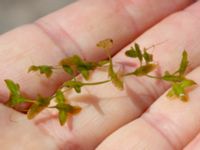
{"x":75,"y":65}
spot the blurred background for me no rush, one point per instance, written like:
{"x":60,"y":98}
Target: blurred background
{"x":14,"y":13}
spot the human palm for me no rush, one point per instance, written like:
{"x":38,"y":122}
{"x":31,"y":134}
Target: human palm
{"x":139,"y":117}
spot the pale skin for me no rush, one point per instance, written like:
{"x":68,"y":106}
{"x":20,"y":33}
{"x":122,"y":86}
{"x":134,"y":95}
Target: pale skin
{"x":141,"y":117}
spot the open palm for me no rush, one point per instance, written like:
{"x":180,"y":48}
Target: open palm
{"x":138,"y":118}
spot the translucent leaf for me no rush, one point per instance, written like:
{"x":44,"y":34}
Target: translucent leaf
{"x":105,"y":44}
{"x":179,"y":89}
{"x":15,"y":95}
{"x":147,"y":57}
{"x":144,"y":70}
{"x":170,"y":93}
{"x":138,"y":52}
{"x":65,"y":110}
{"x":13,"y":87}
{"x":60,"y":98}
{"x":62,"y":115}
{"x":131,"y":53}
{"x":179,"y":92}
{"x":172,"y":78}
{"x":15,"y":100}
{"x":76,"y":64}
{"x":33,"y":68}
{"x":184,"y":63}
{"x":135,"y":52}
{"x":40,"y":104}
{"x":75,"y":85}
{"x":115,"y":78}
{"x":84,"y":69}
{"x":68,"y":69}
{"x":85,"y":74}
{"x":187,"y":83}
{"x":102,"y":63}
{"x":44,"y":69}
{"x":77,"y":89}
{"x":71,"y":61}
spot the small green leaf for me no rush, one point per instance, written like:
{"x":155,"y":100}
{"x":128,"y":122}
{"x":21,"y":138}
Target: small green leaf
{"x":179,"y":92}
{"x":40,"y":104}
{"x":13,"y":87}
{"x":68,"y":69}
{"x":172,"y":78}
{"x":75,"y":59}
{"x":15,"y":95}
{"x":76,"y":64}
{"x":47,"y":70}
{"x":138,"y":52}
{"x":60,"y":98}
{"x":144,"y":70}
{"x":15,"y":100}
{"x":85,"y":74}
{"x":187,"y":83}
{"x":184,"y":63}
{"x":33,"y":68}
{"x":44,"y":69}
{"x":179,"y":89}
{"x":68,"y":108}
{"x":84,"y":69}
{"x":135,"y":52}
{"x":72,"y":62}
{"x":131,"y":53}
{"x":77,"y":89}
{"x":147,"y":57}
{"x":102,"y":63}
{"x":115,"y":78}
{"x":105,"y":44}
{"x":170,"y":93}
{"x":65,"y":110}
{"x":74,"y":84}
{"x":62,"y":115}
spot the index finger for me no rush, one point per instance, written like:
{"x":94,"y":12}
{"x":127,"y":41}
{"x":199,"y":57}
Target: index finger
{"x":75,"y":30}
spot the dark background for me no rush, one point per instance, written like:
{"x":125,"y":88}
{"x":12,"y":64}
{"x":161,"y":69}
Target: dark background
{"x":14,"y":13}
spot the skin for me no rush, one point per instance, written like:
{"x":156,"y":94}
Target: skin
{"x":140,"y":117}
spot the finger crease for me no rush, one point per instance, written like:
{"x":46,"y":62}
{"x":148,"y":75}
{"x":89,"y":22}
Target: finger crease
{"x":165,"y":127}
{"x":136,"y":27}
{"x":52,"y":34}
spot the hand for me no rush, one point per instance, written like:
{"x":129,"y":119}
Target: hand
{"x":111,"y":119}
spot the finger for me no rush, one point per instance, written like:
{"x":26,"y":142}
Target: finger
{"x":18,"y":133}
{"x":107,"y":108}
{"x":74,"y":30}
{"x":194,"y":144}
{"x":91,"y":21}
{"x":168,"y":124}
